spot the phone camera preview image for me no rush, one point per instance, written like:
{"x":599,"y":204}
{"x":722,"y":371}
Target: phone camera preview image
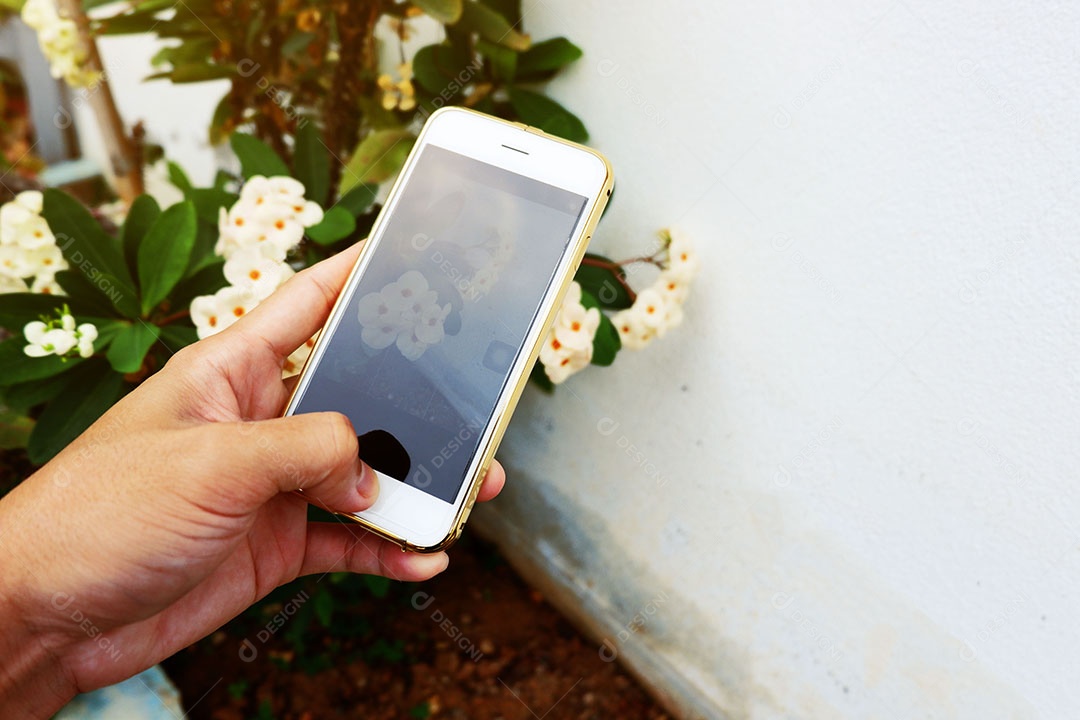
{"x":428,"y":340}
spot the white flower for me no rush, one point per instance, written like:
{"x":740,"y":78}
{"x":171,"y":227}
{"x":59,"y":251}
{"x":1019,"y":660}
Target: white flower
{"x":28,"y":247}
{"x":35,"y":331}
{"x":249,"y":268}
{"x":59,"y":337}
{"x":650,"y":308}
{"x":405,"y":312}
{"x":295,"y":362}
{"x":569,"y":345}
{"x":60,"y":43}
{"x":213,"y":313}
{"x":633,"y":332}
{"x":575,"y":327}
{"x":12,"y":285}
{"x":560,"y":362}
{"x":673,"y":288}
{"x":429,"y":327}
{"x":271,"y":215}
{"x":404,"y":291}
{"x":683,"y":259}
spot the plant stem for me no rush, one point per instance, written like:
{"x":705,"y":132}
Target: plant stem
{"x":122,"y":150}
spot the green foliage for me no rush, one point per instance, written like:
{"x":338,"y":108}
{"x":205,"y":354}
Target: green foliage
{"x":337,"y":224}
{"x":445,"y":11}
{"x":135,"y":285}
{"x":89,"y":392}
{"x":256,"y":157}
{"x":542,"y":112}
{"x":311,"y":163}
{"x":377,"y":158}
{"x":604,"y":284}
{"x":606,"y":344}
{"x":165,"y":252}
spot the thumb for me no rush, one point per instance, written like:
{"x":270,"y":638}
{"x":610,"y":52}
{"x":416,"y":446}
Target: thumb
{"x":313,"y":452}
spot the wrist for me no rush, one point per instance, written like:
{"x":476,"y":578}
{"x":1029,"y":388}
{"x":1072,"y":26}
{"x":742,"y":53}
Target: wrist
{"x":34,"y":682}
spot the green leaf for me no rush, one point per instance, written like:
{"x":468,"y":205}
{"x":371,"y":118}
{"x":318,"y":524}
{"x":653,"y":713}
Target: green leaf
{"x":205,"y":281}
{"x":447,"y":12}
{"x":256,"y":157}
{"x":91,"y":250}
{"x":16,"y":367}
{"x":17,"y":309}
{"x":15,"y":429}
{"x":492,"y":26}
{"x":178,"y":177}
{"x":547,"y":56}
{"x":359,"y":199}
{"x":311,"y":162}
{"x":503,"y":59}
{"x":378,"y":585}
{"x":25,"y":396}
{"x":509,"y":9}
{"x":83,"y":296}
{"x":378,"y":157}
{"x":144,"y":211}
{"x":208,"y":201}
{"x":129,"y":348}
{"x":86,"y":397}
{"x":539,"y":378}
{"x":337,"y":224}
{"x":176,"y":337}
{"x":603,"y":284}
{"x":606,"y":343}
{"x":543,"y":112}
{"x":442,"y":69}
{"x":165,"y":252}
{"x":222,"y":112}
{"x":324,"y":606}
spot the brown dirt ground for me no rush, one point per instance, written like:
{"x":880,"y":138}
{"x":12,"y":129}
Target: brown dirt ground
{"x":407,"y":663}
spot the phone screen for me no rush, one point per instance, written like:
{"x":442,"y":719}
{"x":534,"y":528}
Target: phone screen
{"x":441,"y":312}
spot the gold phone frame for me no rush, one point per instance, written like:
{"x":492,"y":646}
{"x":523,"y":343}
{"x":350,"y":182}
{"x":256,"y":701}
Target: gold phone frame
{"x":504,"y":409}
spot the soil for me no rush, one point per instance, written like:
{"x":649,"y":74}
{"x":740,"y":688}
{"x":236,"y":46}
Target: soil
{"x":474,"y":643}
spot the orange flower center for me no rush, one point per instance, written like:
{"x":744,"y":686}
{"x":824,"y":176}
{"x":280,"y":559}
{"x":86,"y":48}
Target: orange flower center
{"x":239,"y":221}
{"x":565,"y":361}
{"x":280,"y":224}
{"x":238,"y":311}
{"x":254,"y":274}
{"x":575,"y":326}
{"x":555,"y":344}
{"x":212,"y":321}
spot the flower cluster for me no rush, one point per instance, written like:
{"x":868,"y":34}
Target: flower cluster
{"x":569,"y":344}
{"x":487,"y":260}
{"x":400,"y":94}
{"x":60,"y":43}
{"x":255,"y":236}
{"x":28,"y":248}
{"x":406,"y":312}
{"x":60,"y":336}
{"x":658,"y":308}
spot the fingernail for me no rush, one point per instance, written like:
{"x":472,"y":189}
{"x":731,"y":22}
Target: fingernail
{"x":367,"y":485}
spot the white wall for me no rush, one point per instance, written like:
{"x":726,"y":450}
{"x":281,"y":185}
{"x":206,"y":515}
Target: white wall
{"x":864,"y":502}
{"x":853,"y":491}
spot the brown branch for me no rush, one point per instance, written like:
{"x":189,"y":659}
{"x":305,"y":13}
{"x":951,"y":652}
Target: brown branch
{"x":121,"y":149}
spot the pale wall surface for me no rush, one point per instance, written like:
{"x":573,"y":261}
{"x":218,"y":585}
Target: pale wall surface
{"x":864,"y":502}
{"x":855,"y":490}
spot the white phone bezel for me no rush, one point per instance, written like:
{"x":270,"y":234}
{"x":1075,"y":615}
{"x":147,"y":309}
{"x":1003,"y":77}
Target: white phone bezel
{"x":405,"y":512}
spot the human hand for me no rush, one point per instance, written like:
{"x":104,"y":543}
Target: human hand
{"x":174,"y":512}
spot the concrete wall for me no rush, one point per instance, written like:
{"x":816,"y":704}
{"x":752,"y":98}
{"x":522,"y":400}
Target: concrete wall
{"x":850,"y":490}
{"x":852,"y":487}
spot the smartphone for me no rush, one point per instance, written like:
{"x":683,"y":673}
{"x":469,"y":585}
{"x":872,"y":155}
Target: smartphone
{"x":433,"y":337}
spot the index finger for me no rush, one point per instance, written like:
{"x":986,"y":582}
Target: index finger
{"x":299,"y":308}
